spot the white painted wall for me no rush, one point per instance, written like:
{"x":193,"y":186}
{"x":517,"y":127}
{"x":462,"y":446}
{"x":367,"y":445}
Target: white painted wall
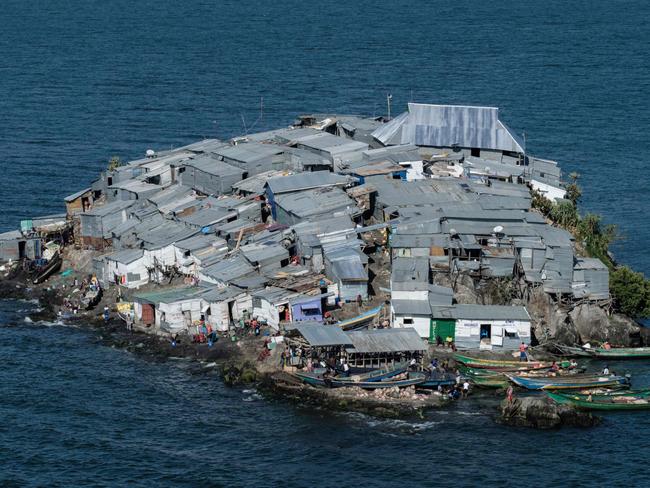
{"x":549,"y":191}
{"x":111,"y":268}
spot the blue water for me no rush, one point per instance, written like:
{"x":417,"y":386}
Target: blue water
{"x":81,"y":81}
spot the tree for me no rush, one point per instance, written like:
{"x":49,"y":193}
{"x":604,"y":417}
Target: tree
{"x":631,"y":292}
{"x":573,"y":191}
{"x":114,"y":163}
{"x":595,"y":236}
{"x":565,"y":215}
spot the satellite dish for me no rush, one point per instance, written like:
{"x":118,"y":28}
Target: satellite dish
{"x":498,"y":229}
{"x":150,"y":153}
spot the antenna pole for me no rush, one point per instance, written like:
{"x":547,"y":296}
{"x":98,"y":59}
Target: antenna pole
{"x":389,"y":97}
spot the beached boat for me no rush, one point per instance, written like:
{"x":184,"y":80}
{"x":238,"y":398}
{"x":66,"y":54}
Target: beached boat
{"x":412,"y":379}
{"x":91,"y":298}
{"x":572,"y":350}
{"x":360,"y":320}
{"x":567,"y":382}
{"x":615,"y":402}
{"x":620,"y":352}
{"x":48,"y":269}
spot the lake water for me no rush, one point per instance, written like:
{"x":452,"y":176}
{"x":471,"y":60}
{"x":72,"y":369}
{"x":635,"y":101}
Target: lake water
{"x":81,"y":81}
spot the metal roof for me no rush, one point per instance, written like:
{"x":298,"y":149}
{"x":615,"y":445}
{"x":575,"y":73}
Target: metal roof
{"x":229,"y":269}
{"x":318,"y":335}
{"x":213,"y":166}
{"x":249,"y":152}
{"x":311,"y":203}
{"x":481,"y":312}
{"x":126,"y":256}
{"x":449,"y":125}
{"x":386,"y":340}
{"x":256,"y":183}
{"x":216,"y":295}
{"x":170,"y":295}
{"x":306,"y":181}
{"x":74,"y":196}
{"x":411,"y":307}
{"x":109,"y":208}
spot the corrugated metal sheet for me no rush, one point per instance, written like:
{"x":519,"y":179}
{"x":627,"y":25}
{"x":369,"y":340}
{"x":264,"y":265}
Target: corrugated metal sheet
{"x":449,"y":125}
{"x":318,"y":335}
{"x":306,"y":181}
{"x":386,"y":340}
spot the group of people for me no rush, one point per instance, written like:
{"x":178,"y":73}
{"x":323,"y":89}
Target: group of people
{"x":448,"y":342}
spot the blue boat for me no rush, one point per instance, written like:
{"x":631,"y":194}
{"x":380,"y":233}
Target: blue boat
{"x":570,"y":382}
{"x":413,"y":379}
{"x":438,"y":379}
{"x":360,"y":320}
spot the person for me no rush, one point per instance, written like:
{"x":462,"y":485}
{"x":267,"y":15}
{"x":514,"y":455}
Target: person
{"x":434,"y":365}
{"x":522,"y":352}
{"x":465,"y":388}
{"x":346,"y":369}
{"x":458,"y":377}
{"x":606,"y":370}
{"x":554,"y":367}
{"x":590,"y":398}
{"x":413,"y":364}
{"x":106,"y":314}
{"x":449,"y":340}
{"x":573,"y":364}
{"x":129,"y":322}
{"x":607,"y":345}
{"x":438,"y":341}
{"x":510,"y":394}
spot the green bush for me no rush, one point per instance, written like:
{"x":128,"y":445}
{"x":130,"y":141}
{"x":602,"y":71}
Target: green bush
{"x":631,"y":292}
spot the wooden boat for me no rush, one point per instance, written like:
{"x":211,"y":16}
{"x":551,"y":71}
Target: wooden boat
{"x":645,"y":393}
{"x":438,"y":379}
{"x":572,"y":350}
{"x":91,"y":298}
{"x":360,"y":320}
{"x":499,"y":364}
{"x":617,"y":402}
{"x":51,"y":267}
{"x":314,"y":380}
{"x":567,"y":382}
{"x":620,"y":352}
{"x":498,"y":381}
{"x":378,"y":374}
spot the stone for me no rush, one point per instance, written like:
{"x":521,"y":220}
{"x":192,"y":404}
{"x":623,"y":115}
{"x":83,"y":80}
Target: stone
{"x":542,"y":413}
{"x":593,"y":325}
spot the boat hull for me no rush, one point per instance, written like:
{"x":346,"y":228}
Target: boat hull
{"x":621,"y":353}
{"x":612,"y":403}
{"x":531,"y":383}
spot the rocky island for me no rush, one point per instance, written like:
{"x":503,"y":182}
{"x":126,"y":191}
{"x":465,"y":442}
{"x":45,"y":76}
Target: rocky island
{"x":339,"y":241}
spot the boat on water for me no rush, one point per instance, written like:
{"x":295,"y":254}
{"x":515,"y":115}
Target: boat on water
{"x":602,"y":402}
{"x":360,"y":321}
{"x":572,"y":351}
{"x":619,"y":352}
{"x":501,"y":364}
{"x":412,"y":379}
{"x":604,"y":394}
{"x":378,"y":374}
{"x":497,"y":381}
{"x":48,"y":268}
{"x":435,"y":380}
{"x":568,"y":382}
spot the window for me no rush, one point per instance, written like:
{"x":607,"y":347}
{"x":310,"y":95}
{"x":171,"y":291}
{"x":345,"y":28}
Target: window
{"x":510,"y":335}
{"x":310,"y":311}
{"x":257,"y":302}
{"x":408,"y":321}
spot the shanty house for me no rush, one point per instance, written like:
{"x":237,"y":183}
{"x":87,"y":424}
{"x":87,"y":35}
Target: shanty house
{"x":272,"y":305}
{"x":266,"y":256}
{"x":126,"y":268}
{"x":590,"y":279}
{"x":225,"y":306}
{"x":97,"y":224}
{"x":223,"y":272}
{"x":209,"y":175}
{"x":198,"y":251}
{"x":170,"y":310}
{"x":78,"y":202}
{"x":346,"y":267}
{"x":14,"y":246}
{"x":482,"y":326}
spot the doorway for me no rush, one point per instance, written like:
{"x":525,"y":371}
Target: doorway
{"x":486,"y":333}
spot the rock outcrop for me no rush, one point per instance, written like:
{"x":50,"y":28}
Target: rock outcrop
{"x":594,"y":325}
{"x":541,"y":413}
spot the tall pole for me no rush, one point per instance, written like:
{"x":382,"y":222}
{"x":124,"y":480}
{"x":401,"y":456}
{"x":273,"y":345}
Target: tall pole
{"x":388,"y":99}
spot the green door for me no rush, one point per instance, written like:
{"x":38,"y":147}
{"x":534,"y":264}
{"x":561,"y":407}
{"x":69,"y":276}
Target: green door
{"x":442,"y":328}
